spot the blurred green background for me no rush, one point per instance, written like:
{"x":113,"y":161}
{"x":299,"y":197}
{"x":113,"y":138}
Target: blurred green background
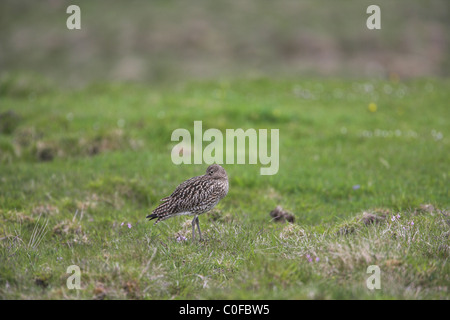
{"x":168,"y":40}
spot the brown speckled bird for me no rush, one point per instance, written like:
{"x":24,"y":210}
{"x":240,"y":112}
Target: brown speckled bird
{"x":194,"y":197}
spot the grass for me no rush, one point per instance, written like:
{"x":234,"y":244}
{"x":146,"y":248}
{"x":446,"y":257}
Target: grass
{"x":78,"y":166}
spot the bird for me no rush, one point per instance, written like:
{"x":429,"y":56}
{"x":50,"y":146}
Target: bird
{"x":194,"y":196}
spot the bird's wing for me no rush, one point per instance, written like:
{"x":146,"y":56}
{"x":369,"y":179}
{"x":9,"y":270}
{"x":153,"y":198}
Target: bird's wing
{"x":187,"y":196}
{"x":192,"y":193}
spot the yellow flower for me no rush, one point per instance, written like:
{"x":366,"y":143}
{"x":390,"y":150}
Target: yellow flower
{"x":372,"y":107}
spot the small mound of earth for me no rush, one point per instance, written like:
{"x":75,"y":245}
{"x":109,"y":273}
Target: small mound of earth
{"x":280,"y":215}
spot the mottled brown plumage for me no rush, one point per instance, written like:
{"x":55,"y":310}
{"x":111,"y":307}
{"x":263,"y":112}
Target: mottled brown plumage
{"x":194,"y":197}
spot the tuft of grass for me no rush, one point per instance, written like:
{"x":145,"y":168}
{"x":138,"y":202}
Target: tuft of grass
{"x":38,"y":234}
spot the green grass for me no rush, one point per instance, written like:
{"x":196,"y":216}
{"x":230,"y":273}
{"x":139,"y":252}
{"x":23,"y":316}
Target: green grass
{"x":75,"y":165}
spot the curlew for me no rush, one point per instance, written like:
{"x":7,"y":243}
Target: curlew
{"x":194,"y":196}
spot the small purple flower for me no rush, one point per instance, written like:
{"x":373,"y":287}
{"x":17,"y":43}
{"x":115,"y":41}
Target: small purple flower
{"x":317,"y":259}
{"x":121,"y":224}
{"x":129,"y":225}
{"x":393,"y":218}
{"x":412,"y":223}
{"x":356,"y":187}
{"x":181,"y":238}
{"x":398,"y":216}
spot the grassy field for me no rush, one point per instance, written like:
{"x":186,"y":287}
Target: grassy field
{"x":364,"y":168}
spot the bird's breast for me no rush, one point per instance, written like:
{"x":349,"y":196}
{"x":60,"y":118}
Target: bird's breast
{"x":224,"y":188}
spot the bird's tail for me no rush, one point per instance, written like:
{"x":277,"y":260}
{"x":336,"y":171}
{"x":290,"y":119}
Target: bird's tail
{"x":152,"y":216}
{"x":160,"y":212}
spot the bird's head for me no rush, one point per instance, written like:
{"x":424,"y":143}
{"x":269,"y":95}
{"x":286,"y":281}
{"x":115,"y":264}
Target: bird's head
{"x":216,"y":171}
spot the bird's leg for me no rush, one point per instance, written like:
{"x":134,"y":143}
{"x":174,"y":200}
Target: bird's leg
{"x":198,"y":227}
{"x":193,"y":229}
